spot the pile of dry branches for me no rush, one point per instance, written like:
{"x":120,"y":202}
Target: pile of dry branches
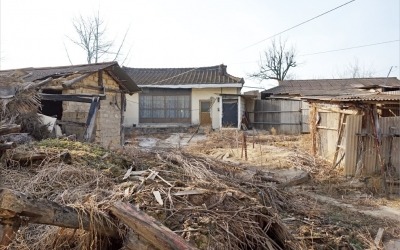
{"x":20,"y":104}
{"x":202,"y":200}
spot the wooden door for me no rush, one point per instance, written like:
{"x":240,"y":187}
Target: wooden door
{"x":205,"y":116}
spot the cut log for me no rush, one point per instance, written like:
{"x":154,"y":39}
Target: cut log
{"x":41,"y":211}
{"x":7,"y":145}
{"x":9,"y":128}
{"x":148,"y":228}
{"x":28,"y":156}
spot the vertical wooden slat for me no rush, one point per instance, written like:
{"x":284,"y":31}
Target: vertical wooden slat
{"x":353,"y":126}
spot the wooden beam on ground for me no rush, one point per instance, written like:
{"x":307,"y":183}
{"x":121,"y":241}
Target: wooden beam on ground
{"x":148,"y":228}
{"x":14,"y":204}
{"x":7,"y":145}
{"x":9,"y":129}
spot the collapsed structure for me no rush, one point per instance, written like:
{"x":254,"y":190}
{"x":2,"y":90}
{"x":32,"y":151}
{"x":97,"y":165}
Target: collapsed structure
{"x":87,"y":100}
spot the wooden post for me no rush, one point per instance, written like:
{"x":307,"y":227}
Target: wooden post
{"x":91,"y":120}
{"x":342,"y":125}
{"x":378,"y":142}
{"x":313,"y":128}
{"x":148,"y":228}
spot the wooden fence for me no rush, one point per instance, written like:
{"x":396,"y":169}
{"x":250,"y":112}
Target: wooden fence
{"x":285,"y":116}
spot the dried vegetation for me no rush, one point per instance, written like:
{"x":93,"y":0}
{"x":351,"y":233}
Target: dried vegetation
{"x":205,"y":199}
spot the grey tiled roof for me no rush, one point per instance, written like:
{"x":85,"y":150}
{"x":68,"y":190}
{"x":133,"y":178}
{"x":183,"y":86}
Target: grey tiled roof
{"x":182,"y":76}
{"x":330,"y":87}
{"x":33,"y":74}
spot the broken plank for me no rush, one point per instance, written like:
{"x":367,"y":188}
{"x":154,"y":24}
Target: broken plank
{"x":148,"y":228}
{"x":378,"y":237}
{"x":157,"y":195}
{"x":190,"y":192}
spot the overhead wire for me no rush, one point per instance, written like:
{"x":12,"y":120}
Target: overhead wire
{"x":297,"y":25}
{"x":348,"y":48}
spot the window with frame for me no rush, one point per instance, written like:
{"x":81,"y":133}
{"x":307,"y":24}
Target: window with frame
{"x":165,"y":106}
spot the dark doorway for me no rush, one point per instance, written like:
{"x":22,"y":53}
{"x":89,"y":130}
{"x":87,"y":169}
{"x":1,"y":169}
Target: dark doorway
{"x":230,"y":113}
{"x":52,"y":108}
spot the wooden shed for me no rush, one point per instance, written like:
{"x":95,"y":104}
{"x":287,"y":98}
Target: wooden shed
{"x":87,"y":100}
{"x":359,"y":132}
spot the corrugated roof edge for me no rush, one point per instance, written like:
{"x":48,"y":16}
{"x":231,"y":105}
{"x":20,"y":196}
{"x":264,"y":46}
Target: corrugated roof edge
{"x":126,"y":82}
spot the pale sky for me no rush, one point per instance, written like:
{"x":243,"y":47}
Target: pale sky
{"x":195,"y":33}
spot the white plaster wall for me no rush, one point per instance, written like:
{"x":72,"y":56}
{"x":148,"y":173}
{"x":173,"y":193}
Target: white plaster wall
{"x":209,"y":94}
{"x":132,"y":110}
{"x":132,"y":105}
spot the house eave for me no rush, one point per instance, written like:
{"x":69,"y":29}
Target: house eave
{"x":194,"y":86}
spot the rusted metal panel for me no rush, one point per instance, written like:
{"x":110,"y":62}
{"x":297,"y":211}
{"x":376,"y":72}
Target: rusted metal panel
{"x":351,"y":141}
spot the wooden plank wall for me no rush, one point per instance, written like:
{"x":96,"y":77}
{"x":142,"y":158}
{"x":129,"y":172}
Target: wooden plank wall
{"x":285,"y":116}
{"x":351,"y":141}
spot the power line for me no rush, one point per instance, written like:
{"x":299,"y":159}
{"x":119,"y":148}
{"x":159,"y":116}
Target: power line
{"x":297,"y":25}
{"x":329,"y":51}
{"x":355,"y":47}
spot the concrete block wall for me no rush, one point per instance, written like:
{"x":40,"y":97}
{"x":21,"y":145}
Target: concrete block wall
{"x":107,"y":130}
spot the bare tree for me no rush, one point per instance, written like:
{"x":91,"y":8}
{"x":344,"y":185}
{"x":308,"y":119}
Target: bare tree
{"x":355,"y":70}
{"x":92,"y":38}
{"x":277,"y":62}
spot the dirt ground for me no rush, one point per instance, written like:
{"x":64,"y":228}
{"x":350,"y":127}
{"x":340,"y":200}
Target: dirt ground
{"x":336,"y":209}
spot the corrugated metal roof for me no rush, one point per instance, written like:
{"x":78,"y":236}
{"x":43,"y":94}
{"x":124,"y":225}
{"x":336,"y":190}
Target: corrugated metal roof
{"x":182,"y":76}
{"x":330,"y":87}
{"x":33,"y":74}
{"x":369,"y":97}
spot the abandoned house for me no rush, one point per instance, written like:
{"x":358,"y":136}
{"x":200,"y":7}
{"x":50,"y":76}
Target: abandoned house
{"x":285,"y":109}
{"x":359,"y":132}
{"x":206,"y":96}
{"x":87,"y":100}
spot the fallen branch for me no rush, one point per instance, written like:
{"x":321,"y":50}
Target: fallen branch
{"x":14,"y":204}
{"x":148,"y":228}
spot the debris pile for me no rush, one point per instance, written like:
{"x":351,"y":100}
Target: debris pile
{"x":203,"y":201}
{"x":20,"y":104}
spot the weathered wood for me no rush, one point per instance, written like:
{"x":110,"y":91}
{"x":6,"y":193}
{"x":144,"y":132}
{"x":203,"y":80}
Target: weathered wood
{"x":342,"y":125}
{"x":70,"y":98}
{"x":148,"y":228}
{"x":91,"y":119}
{"x":28,"y":156}
{"x":9,"y":128}
{"x":38,"y":84}
{"x":8,"y":227}
{"x":42,"y":211}
{"x":134,"y":242}
{"x":378,"y":237}
{"x":7,"y":145}
{"x":69,"y":83}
